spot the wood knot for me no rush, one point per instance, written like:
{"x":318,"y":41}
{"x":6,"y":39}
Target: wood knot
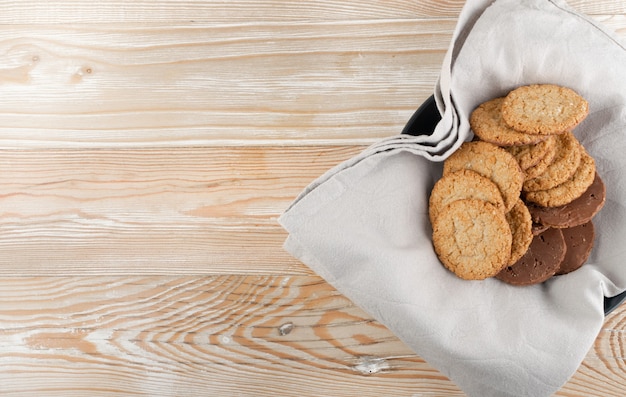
{"x":285,"y":329}
{"x":369,"y":365}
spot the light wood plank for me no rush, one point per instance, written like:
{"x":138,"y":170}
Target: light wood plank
{"x":125,"y":122}
{"x":112,"y":86}
{"x":225,"y":335}
{"x":166,"y":336}
{"x":158,"y":211}
{"x":591,"y":7}
{"x":118,"y":86}
{"x":165,"y":11}
{"x":614,"y":23}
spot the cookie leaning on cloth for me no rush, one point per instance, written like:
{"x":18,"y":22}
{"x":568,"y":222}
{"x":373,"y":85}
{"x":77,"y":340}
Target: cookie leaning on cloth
{"x":526,"y":149}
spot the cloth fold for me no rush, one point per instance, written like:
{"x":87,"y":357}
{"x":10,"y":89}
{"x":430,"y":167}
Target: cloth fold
{"x":363,"y":226}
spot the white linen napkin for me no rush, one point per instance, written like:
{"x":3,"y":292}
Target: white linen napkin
{"x":363,"y":226}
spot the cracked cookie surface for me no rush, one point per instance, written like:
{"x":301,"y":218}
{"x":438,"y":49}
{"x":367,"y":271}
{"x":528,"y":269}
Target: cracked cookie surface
{"x":521,"y":225}
{"x":543,"y":109}
{"x":472,"y":238}
{"x":487,"y":123}
{"x":569,"y":190}
{"x":492,"y":162}
{"x":561,"y":168}
{"x":462,"y":184}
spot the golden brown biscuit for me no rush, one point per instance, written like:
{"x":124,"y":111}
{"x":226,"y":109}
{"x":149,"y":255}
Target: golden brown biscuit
{"x":472,"y":239}
{"x":541,"y":166}
{"x":487,"y":123}
{"x":530,"y":155}
{"x":561,"y":168}
{"x":521,"y":225}
{"x":492,"y":162}
{"x":543,"y":109}
{"x":569,"y":190}
{"x":462,"y":184}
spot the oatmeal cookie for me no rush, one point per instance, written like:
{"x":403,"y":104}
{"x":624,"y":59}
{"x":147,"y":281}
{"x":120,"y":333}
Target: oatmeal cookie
{"x":462,"y":184}
{"x":529,"y":155}
{"x":487,"y":123}
{"x":544,"y":109}
{"x":472,"y":239}
{"x":561,"y":168}
{"x":569,"y":190}
{"x":492,"y":162}
{"x":521,"y":225}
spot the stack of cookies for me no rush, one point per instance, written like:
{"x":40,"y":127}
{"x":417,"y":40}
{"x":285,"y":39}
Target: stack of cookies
{"x":517,"y":202}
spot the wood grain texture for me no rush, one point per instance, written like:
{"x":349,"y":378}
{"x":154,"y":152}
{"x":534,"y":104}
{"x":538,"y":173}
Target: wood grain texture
{"x":223,"y":336}
{"x":199,"y":210}
{"x":337,"y":82}
{"x":86,"y":86}
{"x":219,"y":336}
{"x":165,"y":11}
{"x":146,"y":151}
{"x":191,"y":11}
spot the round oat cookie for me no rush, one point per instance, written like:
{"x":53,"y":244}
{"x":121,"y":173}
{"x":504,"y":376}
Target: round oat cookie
{"x":542,"y":165}
{"x":492,"y":162}
{"x":539,"y":263}
{"x":472,"y":239}
{"x":543,"y":109}
{"x":569,"y":190}
{"x":521,"y":225}
{"x":462,"y":184}
{"x":563,"y":166}
{"x":486,"y":122}
{"x":529,"y":155}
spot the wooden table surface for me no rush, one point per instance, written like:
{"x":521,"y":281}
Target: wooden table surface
{"x":147,"y":149}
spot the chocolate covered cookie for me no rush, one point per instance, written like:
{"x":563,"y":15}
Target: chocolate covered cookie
{"x":539,"y":263}
{"x":578,"y":212}
{"x":579,"y":242}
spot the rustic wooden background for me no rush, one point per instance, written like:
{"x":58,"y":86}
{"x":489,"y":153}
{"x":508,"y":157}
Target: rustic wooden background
{"x":146,"y":151}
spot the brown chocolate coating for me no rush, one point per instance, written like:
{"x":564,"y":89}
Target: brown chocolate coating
{"x":579,"y":242}
{"x":576,"y":213}
{"x":538,"y":228}
{"x":539,"y":263}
